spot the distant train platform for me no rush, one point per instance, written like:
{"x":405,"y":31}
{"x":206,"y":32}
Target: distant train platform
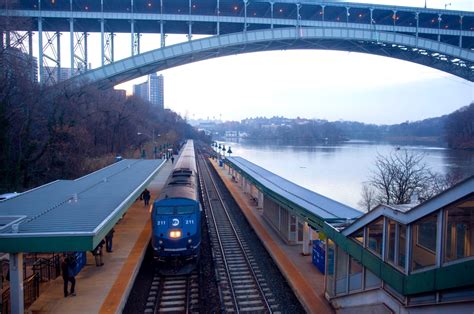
{"x":105,"y":289}
{"x":303,"y":277}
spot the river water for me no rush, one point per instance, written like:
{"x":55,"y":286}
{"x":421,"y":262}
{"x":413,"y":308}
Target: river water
{"x":339,"y":170}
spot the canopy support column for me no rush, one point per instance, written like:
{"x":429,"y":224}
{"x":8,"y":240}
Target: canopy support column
{"x":16,"y":283}
{"x":306,"y":237}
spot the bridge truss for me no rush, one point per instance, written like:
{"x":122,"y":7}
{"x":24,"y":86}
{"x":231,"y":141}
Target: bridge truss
{"x":439,"y":39}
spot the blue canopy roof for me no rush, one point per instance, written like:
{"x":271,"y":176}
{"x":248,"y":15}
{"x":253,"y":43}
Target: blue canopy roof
{"x":84,"y":209}
{"x":317,"y":204}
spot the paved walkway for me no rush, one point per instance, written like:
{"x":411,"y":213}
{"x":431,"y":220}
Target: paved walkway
{"x":304,"y":278}
{"x":105,"y":289}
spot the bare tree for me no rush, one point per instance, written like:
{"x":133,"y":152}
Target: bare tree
{"x":368,"y":194}
{"x":399,"y":175}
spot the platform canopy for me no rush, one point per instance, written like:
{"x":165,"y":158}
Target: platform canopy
{"x":73,"y":215}
{"x":313,"y":204}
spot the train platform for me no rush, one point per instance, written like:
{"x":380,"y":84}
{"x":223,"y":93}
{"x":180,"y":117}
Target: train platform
{"x":105,"y":289}
{"x":303,"y":277}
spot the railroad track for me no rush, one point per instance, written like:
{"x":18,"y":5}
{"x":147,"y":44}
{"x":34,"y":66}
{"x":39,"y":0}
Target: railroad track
{"x":174,"y":294}
{"x":242,"y":286}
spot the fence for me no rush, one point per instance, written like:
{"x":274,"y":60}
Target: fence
{"x":30,"y":293}
{"x":47,"y":268}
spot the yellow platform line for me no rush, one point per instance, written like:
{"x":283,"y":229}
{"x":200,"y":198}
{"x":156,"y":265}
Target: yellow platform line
{"x":311,"y":301}
{"x":116,"y":299}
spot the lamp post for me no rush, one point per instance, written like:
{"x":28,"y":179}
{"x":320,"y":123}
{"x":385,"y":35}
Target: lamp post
{"x":153,"y":140}
{"x":229,"y":151}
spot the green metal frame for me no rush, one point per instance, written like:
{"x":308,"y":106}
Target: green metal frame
{"x":446,"y":277}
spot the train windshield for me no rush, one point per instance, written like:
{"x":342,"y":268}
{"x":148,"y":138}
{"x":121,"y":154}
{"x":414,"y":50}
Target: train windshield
{"x":180,"y":210}
{"x":164,"y":210}
{"x":176,"y":210}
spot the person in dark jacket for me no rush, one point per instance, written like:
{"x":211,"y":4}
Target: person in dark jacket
{"x":146,"y":197}
{"x":67,"y":268}
{"x":108,"y":240}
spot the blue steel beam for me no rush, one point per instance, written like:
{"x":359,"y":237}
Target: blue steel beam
{"x":449,"y":29}
{"x":405,"y":47}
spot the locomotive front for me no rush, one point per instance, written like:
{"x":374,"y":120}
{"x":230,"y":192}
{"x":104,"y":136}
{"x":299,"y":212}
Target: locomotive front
{"x":177,"y":228}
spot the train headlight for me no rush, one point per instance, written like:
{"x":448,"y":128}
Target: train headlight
{"x":160,"y":242}
{"x":175,"y":234}
{"x":190,"y":241}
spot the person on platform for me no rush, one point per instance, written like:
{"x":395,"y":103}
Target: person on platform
{"x":97,"y":252}
{"x":108,"y":240}
{"x":67,"y":268}
{"x":146,"y":197}
{"x":172,"y":159}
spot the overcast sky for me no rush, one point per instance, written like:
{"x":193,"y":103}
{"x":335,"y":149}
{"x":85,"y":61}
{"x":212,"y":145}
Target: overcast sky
{"x":310,"y":84}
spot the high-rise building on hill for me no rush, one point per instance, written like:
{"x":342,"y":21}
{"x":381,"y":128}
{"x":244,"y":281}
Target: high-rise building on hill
{"x":152,"y":90}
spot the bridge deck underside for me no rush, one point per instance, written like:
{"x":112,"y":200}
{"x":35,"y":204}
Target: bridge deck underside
{"x":376,"y":48}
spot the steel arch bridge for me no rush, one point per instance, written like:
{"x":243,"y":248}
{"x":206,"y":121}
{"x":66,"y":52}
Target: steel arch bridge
{"x":440,"y":39}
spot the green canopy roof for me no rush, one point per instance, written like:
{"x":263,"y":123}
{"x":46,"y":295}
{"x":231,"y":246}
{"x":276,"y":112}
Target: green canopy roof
{"x":73,"y":215}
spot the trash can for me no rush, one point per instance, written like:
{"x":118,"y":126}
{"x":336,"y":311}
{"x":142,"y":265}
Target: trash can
{"x":81,"y":260}
{"x":319,"y":255}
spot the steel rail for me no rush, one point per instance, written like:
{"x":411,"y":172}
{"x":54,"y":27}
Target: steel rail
{"x":244,"y":253}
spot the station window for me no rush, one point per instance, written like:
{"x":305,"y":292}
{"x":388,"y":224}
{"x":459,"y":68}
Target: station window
{"x":375,"y":236}
{"x":396,"y":243}
{"x":371,"y":281}
{"x":355,"y":275}
{"x":330,"y":268}
{"x":342,"y":263}
{"x":419,"y":299}
{"x":459,"y":233}
{"x":424,"y":242}
{"x":402,"y":242}
{"x":459,"y":294}
{"x":359,"y":236}
{"x":391,"y":236}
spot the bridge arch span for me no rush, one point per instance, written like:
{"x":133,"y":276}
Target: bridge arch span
{"x":444,"y":57}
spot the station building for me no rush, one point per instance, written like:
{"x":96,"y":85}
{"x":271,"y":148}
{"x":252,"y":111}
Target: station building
{"x":414,"y":258}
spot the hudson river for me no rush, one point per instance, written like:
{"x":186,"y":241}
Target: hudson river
{"x":338,"y":170}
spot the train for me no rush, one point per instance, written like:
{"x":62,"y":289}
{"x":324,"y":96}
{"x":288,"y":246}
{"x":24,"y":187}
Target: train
{"x":176,"y":213}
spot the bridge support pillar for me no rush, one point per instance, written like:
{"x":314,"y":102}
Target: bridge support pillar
{"x":58,"y":50}
{"x":218,"y":30}
{"x":30,"y":43}
{"x":102,"y":42}
{"x":110,"y":43}
{"x":16,"y":283}
{"x":162,"y":34}
{"x":7,"y":39}
{"x":190,"y":31}
{"x":271,"y":14}
{"x":40,"y":50}
{"x":246,"y":3}
{"x":71,"y":43}
{"x":132,"y":37}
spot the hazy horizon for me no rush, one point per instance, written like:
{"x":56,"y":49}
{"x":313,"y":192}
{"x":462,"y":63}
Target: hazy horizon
{"x":318,"y":118}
